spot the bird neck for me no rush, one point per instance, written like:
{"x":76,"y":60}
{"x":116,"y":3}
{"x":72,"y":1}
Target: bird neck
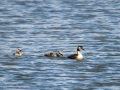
{"x":78,"y":52}
{"x":58,"y":54}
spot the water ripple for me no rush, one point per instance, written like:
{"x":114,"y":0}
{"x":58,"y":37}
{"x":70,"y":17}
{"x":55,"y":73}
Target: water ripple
{"x":38,"y":26}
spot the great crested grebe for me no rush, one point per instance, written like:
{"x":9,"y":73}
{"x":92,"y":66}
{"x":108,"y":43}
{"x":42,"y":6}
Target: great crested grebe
{"x":77,"y":56}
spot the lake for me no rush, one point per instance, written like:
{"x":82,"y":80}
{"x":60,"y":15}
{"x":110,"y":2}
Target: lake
{"x":40,"y":26}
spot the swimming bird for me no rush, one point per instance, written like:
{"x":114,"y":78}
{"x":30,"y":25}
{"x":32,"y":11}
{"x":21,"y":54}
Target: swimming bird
{"x":50,"y":54}
{"x":77,"y":56}
{"x":18,"y":52}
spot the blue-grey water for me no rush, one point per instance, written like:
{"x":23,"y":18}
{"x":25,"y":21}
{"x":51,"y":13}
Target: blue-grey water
{"x":39,"y":26}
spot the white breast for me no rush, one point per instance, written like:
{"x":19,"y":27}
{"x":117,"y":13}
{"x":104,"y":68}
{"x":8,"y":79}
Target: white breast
{"x":80,"y":56}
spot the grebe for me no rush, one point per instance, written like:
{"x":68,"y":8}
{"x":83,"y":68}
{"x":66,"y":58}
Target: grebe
{"x":77,"y":56}
{"x":50,"y":54}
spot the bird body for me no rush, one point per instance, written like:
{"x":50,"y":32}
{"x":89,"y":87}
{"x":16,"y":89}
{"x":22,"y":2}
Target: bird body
{"x":50,"y":54}
{"x":18,"y":52}
{"x":77,"y":56}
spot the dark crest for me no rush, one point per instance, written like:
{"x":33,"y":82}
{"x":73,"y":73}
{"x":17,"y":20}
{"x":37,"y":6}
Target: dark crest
{"x":78,"y":49}
{"x":81,"y":47}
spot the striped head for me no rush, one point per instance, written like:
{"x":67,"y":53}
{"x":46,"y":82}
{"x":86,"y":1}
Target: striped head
{"x":59,"y":52}
{"x":80,"y":48}
{"x":19,"y":50}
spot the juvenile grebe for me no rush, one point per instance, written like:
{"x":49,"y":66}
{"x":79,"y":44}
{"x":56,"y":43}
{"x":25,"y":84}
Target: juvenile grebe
{"x":50,"y":54}
{"x":18,"y":52}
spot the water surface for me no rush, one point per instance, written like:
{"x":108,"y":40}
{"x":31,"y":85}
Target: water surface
{"x":38,"y":26}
